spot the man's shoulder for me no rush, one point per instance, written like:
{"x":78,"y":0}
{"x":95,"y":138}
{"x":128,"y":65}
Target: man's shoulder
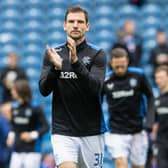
{"x":94,"y":47}
{"x":135,"y":70}
{"x":59,"y":46}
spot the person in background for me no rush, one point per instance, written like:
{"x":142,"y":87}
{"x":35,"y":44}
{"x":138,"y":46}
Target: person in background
{"x":5,"y":127}
{"x":159,"y":54}
{"x":126,"y":89}
{"x":161,"y":111}
{"x":47,"y":161}
{"x":9,"y":75}
{"x":130,"y":41}
{"x":28,"y":126}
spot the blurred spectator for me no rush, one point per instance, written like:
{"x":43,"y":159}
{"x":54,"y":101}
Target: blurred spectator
{"x":5,"y":117}
{"x":161,"y":111}
{"x":159,"y":54}
{"x":138,"y":3}
{"x":48,"y":161}
{"x":127,"y":38}
{"x":9,"y":75}
{"x":28,"y":125}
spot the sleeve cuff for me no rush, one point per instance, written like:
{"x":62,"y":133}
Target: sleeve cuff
{"x":34,"y":135}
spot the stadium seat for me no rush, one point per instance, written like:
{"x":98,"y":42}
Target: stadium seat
{"x":10,"y":15}
{"x":33,"y":38}
{"x":105,"y":23}
{"x":56,"y":13}
{"x":151,"y":10}
{"x":105,"y":11}
{"x":10,"y":27}
{"x":150,"y":22}
{"x":34,"y":14}
{"x":149,"y":34}
{"x":7,"y":48}
{"x":55,"y":38}
{"x":32,"y":49}
{"x":55,"y":25}
{"x":128,"y":12}
{"x":11,"y":4}
{"x":10,"y":38}
{"x":37,"y":4}
{"x":148,"y":45}
{"x":63,"y":4}
{"x":33,"y":26}
{"x":31,"y":61}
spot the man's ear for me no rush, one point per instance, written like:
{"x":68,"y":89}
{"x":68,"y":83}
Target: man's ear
{"x":64,"y":26}
{"x":88,"y":27}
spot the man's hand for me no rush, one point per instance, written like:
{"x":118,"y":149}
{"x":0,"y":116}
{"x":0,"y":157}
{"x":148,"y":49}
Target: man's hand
{"x":54,"y":57}
{"x":26,"y":137}
{"x":72,"y":50}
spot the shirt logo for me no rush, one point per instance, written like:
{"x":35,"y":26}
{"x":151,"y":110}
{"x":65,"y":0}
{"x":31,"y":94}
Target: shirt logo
{"x":86,"y":60}
{"x":122,"y":93}
{"x":68,"y":75}
{"x":110,"y":86}
{"x":133,"y":82}
{"x":157,"y":102}
{"x":28,"y":112}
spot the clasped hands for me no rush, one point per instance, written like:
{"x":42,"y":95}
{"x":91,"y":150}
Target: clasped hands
{"x":56,"y":59}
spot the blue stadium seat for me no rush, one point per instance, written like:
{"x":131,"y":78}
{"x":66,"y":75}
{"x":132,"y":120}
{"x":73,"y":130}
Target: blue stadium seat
{"x":33,"y":26}
{"x":86,"y":4}
{"x":34,"y":14}
{"x":105,"y":45}
{"x":63,"y":4}
{"x":104,"y":23}
{"x":105,"y":35}
{"x":7,"y":48}
{"x":10,"y":27}
{"x":10,"y":15}
{"x":55,"y":25}
{"x":151,"y":10}
{"x":38,"y":4}
{"x":32,"y":49}
{"x":150,"y":22}
{"x":128,"y":12}
{"x":11,"y":4}
{"x":33,"y":38}
{"x":105,"y":11}
{"x":148,"y":45}
{"x":55,"y":38}
{"x":149,"y":34}
{"x":56,"y":13}
{"x":10,"y":38}
{"x":31,"y":61}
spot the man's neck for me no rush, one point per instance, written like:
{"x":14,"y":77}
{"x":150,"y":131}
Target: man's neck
{"x":164,"y":90}
{"x":79,"y":41}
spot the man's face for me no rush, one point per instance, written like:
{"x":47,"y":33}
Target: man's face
{"x":76,"y":25}
{"x":161,"y":38}
{"x":119,"y":65}
{"x":161,"y":78}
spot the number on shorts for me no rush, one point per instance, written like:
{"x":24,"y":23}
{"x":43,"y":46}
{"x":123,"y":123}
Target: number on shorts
{"x":98,"y":159}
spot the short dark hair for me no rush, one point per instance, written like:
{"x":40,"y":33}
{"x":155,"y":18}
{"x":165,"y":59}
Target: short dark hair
{"x":23,"y":90}
{"x":118,"y":53}
{"x":162,"y":68}
{"x":76,"y":9}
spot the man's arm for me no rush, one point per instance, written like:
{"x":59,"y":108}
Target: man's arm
{"x":94,"y":78}
{"x":48,"y":77}
{"x":150,"y":115}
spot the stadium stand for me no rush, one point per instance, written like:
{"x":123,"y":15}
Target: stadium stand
{"x":27,"y":26}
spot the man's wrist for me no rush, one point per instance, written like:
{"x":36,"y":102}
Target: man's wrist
{"x":74,"y":60}
{"x":58,"y":66}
